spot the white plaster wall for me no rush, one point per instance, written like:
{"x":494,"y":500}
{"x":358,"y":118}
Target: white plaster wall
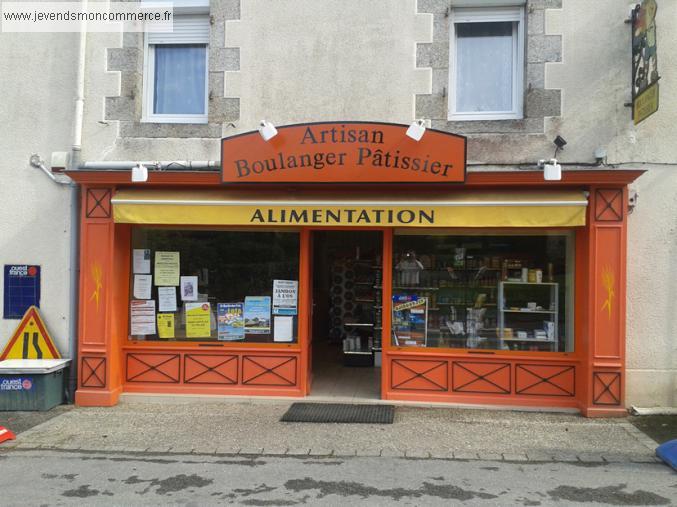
{"x":308,"y":60}
{"x":37,"y":86}
{"x":594,"y":76}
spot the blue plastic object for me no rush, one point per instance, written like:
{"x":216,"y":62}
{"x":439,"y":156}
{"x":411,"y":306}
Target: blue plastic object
{"x":668,"y":453}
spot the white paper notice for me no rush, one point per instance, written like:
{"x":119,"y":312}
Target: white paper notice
{"x":189,"y":288}
{"x":142,"y":317}
{"x":141,"y":261}
{"x":166,"y":299}
{"x":142,"y":286}
{"x":283,"y":329}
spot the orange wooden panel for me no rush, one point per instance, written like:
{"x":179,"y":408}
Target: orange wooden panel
{"x":269,"y":370}
{"x":545,"y":380}
{"x":95,"y":279}
{"x":419,"y":375}
{"x":609,"y":204}
{"x":481,"y":377}
{"x":97,"y":203}
{"x":609,"y":293}
{"x":210,"y":369}
{"x":157,"y":368}
{"x":606,"y":388}
{"x":93,"y":371}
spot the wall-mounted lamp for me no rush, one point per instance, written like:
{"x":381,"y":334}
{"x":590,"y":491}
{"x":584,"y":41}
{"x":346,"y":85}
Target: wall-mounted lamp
{"x":267,"y":130}
{"x":416,"y":130}
{"x":139,"y":173}
{"x":559,"y":143}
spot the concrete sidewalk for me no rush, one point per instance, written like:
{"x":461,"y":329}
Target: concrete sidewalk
{"x":253,"y":428}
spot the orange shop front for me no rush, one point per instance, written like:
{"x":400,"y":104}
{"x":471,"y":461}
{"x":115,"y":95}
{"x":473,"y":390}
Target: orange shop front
{"x":489,"y":288}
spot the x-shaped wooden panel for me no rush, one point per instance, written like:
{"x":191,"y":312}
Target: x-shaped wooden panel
{"x":609,"y":205}
{"x":606,"y":385}
{"x":98,"y":203}
{"x":269,"y":370}
{"x":413,"y":373}
{"x":209,"y":369}
{"x":93,"y":372}
{"x":545,"y":380}
{"x":479,"y":378}
{"x":154,"y":368}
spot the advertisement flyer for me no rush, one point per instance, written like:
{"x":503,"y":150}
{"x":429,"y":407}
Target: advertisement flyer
{"x":142,"y":316}
{"x":197,"y":320}
{"x":410,"y":320}
{"x":189,"y":288}
{"x":141,"y":261}
{"x":230,"y":321}
{"x":285,"y":297}
{"x":283,"y":329}
{"x":167,"y":267}
{"x":257,"y":314}
{"x":142,"y":286}
{"x":166,"y":299}
{"x":165,"y":325}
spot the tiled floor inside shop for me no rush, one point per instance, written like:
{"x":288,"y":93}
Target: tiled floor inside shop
{"x":331,"y":379}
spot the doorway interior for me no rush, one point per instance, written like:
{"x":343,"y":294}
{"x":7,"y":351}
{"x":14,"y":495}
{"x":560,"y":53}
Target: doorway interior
{"x":347,"y":314}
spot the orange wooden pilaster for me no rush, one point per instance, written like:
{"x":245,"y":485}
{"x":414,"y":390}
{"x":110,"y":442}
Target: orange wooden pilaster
{"x":98,"y":383}
{"x":606,"y":288}
{"x":386,"y":312}
{"x":305,"y":309}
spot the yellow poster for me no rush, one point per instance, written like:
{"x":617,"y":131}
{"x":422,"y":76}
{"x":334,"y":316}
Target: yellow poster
{"x":197,"y":320}
{"x":167,"y":268}
{"x":165,"y":325}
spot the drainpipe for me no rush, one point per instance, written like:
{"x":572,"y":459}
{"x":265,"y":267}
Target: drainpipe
{"x":73,"y":163}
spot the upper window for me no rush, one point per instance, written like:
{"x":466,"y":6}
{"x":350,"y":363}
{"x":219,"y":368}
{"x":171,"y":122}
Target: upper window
{"x":175,"y":72}
{"x":486,"y":63}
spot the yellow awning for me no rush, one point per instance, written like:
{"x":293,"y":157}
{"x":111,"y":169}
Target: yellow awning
{"x":347,"y":208}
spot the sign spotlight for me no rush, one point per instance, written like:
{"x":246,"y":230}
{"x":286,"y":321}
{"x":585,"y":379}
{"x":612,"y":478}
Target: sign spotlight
{"x":267,"y":130}
{"x":416,"y":130}
{"x":139,"y":173}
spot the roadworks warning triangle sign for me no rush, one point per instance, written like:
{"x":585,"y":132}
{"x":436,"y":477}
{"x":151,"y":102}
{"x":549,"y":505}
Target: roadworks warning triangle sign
{"x":30,"y":340}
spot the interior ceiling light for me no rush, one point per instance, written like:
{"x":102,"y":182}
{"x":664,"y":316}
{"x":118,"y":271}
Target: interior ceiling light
{"x":267,"y":130}
{"x":416,"y":130}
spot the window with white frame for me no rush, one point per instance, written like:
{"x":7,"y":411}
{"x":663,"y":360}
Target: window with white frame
{"x":175,"y":72}
{"x":486,"y":63}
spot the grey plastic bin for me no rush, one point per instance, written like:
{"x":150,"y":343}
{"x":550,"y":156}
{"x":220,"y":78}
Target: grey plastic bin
{"x":31,"y":384}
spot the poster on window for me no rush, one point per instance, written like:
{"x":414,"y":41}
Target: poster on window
{"x":198,"y":320}
{"x":257,"y":315}
{"x":142,"y":317}
{"x":167,"y":268}
{"x":285,"y":297}
{"x":410,"y":320}
{"x":230,"y":321}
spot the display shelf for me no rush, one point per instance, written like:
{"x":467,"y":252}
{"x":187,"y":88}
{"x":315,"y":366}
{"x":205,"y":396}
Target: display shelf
{"x":527,"y":340}
{"x":357,"y":352}
{"x":531,"y":311}
{"x":359,"y":324}
{"x":364,"y":300}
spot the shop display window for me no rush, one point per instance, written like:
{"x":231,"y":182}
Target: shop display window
{"x":490,"y":291}
{"x":214,"y":285}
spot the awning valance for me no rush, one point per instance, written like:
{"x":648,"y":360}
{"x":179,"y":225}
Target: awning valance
{"x":458,"y":209}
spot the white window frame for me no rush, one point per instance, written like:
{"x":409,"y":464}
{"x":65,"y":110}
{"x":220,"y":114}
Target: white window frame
{"x":148,"y":116}
{"x":514,"y":14}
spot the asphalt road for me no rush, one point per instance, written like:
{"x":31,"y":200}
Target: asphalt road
{"x":42,"y":477}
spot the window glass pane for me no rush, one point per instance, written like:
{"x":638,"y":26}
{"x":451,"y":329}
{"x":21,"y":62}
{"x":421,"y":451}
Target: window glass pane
{"x":483,"y":292}
{"x":220,"y":272}
{"x":484,"y":66}
{"x":179,"y":80}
